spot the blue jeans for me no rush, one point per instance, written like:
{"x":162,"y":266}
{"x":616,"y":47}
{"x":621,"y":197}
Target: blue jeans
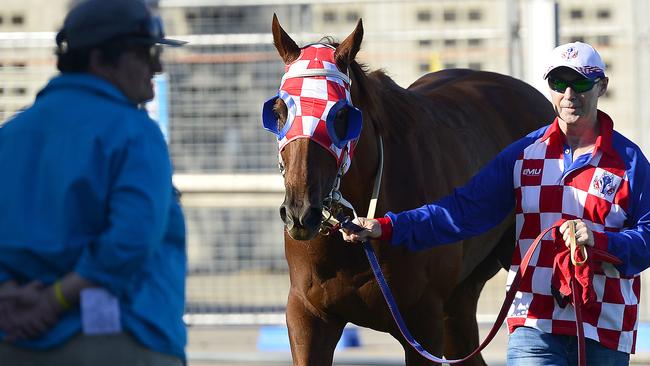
{"x":532,"y":347}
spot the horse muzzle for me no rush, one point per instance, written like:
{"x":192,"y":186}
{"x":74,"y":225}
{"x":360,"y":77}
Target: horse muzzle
{"x":302,"y":223}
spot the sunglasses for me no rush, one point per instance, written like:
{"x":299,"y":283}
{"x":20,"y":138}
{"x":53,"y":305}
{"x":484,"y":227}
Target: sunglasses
{"x":150,"y":53}
{"x":578,"y":86}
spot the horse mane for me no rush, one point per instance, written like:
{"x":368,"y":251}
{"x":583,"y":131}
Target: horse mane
{"x":392,"y":109}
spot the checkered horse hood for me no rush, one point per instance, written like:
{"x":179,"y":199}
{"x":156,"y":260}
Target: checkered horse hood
{"x":315,"y":90}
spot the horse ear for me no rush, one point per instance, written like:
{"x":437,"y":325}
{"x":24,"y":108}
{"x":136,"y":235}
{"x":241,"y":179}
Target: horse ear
{"x":348,"y":49}
{"x":287,"y":48}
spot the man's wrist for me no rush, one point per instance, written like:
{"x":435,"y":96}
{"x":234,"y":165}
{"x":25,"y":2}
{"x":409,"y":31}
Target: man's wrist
{"x":59,"y":297}
{"x":386,"y":228}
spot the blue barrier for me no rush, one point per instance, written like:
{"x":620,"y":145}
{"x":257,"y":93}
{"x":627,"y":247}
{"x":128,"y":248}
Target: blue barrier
{"x":643,"y":338}
{"x":276,"y":338}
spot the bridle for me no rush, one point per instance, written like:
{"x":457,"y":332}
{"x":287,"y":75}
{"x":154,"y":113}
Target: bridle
{"x":333,"y":216}
{"x":334,"y":202}
{"x":311,"y":81}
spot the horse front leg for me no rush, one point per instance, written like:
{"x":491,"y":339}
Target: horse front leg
{"x":424,"y":321}
{"x":461,"y":328}
{"x":312,"y":336}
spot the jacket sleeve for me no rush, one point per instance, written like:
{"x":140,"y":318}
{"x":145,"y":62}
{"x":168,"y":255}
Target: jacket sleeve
{"x":632,"y":245}
{"x":470,"y":210}
{"x":4,"y":276}
{"x":137,"y":212}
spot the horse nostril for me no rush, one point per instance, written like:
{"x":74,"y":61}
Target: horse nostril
{"x":312,"y":217}
{"x":283,"y":213}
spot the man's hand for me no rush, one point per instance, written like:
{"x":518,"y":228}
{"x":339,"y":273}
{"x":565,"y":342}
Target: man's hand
{"x":7,"y":305}
{"x":370,"y":229}
{"x":28,"y":311}
{"x":584,"y":235}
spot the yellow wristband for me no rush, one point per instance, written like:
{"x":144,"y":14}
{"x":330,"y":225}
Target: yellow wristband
{"x":59,"y":295}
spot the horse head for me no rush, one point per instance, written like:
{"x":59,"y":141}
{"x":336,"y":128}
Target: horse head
{"x":316,"y":125}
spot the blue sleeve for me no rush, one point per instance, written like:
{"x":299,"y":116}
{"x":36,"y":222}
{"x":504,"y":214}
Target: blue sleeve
{"x":470,"y":210}
{"x":4,"y":276}
{"x":138,"y":208}
{"x":632,"y":244}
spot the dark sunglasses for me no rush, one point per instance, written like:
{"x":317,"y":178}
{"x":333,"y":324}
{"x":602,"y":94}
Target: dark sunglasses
{"x":578,"y":86}
{"x":148,"y":52}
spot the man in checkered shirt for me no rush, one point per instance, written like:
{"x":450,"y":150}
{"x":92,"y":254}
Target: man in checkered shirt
{"x":577,"y":168}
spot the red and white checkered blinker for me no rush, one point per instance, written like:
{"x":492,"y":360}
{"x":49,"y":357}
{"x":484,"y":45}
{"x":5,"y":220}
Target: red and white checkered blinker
{"x":314,"y":91}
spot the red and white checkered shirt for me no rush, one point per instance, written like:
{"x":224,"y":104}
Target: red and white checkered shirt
{"x":595,"y":188}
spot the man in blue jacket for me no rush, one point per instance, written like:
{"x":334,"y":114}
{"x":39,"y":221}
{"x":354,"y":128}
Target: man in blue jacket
{"x":93,"y":263}
{"x":580,"y":169}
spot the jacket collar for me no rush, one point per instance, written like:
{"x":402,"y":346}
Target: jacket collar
{"x":89,"y":82}
{"x":603,"y":140}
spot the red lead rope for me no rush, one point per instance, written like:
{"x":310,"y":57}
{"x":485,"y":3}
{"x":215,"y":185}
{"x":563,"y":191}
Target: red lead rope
{"x":510,"y":296}
{"x":512,"y":291}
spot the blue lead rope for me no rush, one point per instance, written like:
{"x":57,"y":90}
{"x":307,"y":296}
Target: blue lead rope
{"x":392,"y":305}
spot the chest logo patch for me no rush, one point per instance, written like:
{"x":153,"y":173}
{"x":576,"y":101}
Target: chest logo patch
{"x":532,"y":172}
{"x":605,"y":183}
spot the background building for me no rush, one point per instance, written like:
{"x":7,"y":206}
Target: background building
{"x":226,"y":164}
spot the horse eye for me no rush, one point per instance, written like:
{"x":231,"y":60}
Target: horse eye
{"x":280,"y":112}
{"x":341,"y":123}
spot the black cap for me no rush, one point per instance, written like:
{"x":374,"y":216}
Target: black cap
{"x":93,"y":22}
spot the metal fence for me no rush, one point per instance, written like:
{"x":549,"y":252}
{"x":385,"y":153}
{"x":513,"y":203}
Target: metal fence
{"x":226,"y":165}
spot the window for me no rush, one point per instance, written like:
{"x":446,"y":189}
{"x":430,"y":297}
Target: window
{"x":475,"y":65}
{"x":352,"y":16}
{"x":19,"y":91}
{"x":216,"y":15}
{"x":423,"y":67}
{"x":2,"y":91}
{"x":603,"y":40}
{"x":475,"y":15}
{"x":450,"y":65}
{"x":236,"y":15}
{"x":17,"y":20}
{"x":450,"y":42}
{"x":1,"y":20}
{"x":603,"y":14}
{"x":424,"y":16}
{"x":449,"y":15}
{"x":576,"y":38}
{"x":576,"y":14}
{"x":329,"y":16}
{"x":474,"y":42}
{"x":425,"y":43}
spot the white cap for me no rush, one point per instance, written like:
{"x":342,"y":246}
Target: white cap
{"x":578,"y":56}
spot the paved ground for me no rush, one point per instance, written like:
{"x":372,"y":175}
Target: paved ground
{"x":238,"y":346}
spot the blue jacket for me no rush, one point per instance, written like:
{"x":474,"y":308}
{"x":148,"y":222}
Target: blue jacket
{"x":87,"y":186}
{"x":489,"y":197}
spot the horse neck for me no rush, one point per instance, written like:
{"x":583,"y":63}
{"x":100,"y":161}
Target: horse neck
{"x":357,"y":183}
{"x":392,"y":113}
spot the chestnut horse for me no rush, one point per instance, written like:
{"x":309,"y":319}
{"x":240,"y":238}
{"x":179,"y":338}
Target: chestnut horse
{"x":436,"y":134}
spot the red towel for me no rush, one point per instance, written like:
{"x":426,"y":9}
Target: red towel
{"x":564,"y":271}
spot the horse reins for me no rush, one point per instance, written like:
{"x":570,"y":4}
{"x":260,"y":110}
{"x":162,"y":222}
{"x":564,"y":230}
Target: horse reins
{"x":510,"y":294}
